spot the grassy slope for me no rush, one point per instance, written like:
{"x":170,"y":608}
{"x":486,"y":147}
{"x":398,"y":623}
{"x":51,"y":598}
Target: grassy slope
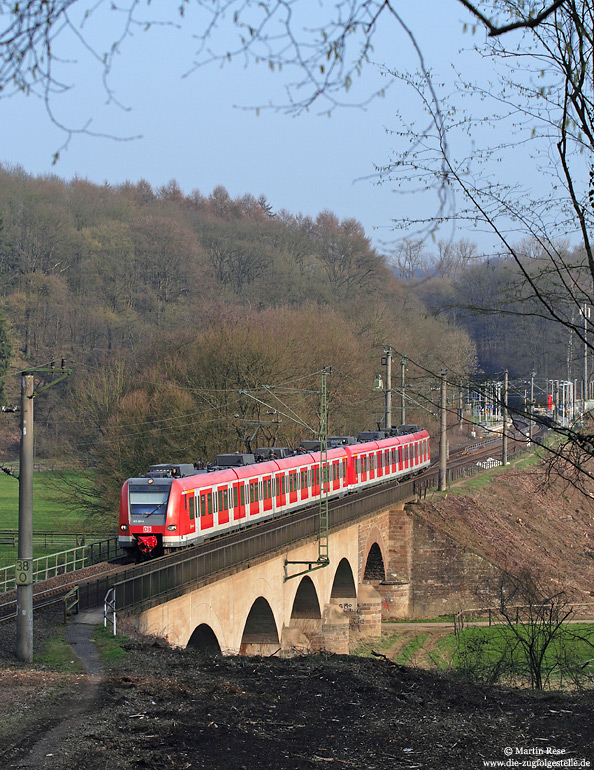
{"x":49,"y":515}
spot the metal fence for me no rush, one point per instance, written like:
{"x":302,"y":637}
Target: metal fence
{"x":46,"y":567}
{"x":47,"y":539}
{"x":490,"y":616}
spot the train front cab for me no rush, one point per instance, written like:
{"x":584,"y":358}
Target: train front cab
{"x":146,"y":506}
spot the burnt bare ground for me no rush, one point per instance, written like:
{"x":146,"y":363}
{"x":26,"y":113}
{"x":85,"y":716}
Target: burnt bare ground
{"x":158,"y":708}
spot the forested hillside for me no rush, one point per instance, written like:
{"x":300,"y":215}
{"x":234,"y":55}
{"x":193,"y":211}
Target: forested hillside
{"x":166,"y":305}
{"x":494,"y":299}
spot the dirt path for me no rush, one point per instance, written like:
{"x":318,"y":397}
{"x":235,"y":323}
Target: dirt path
{"x":407,"y":632}
{"x":74,"y":713}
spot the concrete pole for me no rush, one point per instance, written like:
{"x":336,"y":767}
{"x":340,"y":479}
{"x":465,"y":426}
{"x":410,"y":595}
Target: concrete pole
{"x":443,"y":435}
{"x":504,"y":415}
{"x":24,"y":576}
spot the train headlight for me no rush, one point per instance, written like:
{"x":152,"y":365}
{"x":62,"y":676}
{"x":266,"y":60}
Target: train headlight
{"x":124,"y":527}
{"x":172,"y":527}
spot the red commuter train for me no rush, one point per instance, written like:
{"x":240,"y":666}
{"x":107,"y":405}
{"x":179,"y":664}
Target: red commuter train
{"x":176,"y":505}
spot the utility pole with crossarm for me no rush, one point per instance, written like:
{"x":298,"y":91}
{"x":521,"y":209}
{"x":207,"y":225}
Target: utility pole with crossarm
{"x":24,"y":565}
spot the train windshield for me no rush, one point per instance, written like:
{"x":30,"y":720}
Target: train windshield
{"x":149,"y":500}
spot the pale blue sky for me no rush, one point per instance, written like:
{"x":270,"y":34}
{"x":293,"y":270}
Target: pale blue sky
{"x":192,"y":131}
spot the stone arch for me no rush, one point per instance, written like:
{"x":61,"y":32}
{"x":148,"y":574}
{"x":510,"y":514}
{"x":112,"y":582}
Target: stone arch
{"x":204,"y":640}
{"x":306,"y":603}
{"x":260,"y":634}
{"x":343,"y":586}
{"x":375,"y":557}
{"x":304,"y":630}
{"x":375,"y":568}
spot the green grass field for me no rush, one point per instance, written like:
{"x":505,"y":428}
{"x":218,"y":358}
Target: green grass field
{"x":483,"y":652}
{"x":49,"y":515}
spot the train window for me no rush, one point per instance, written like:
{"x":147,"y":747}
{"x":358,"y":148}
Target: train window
{"x":209,"y":503}
{"x":235,"y":497}
{"x":220,"y":496}
{"x":191,"y":507}
{"x":186,"y":502}
{"x":225,"y":499}
{"x":203,"y":504}
{"x":242,"y":494}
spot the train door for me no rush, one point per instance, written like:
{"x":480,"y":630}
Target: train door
{"x":356,"y":469}
{"x":335,"y":475}
{"x":281,"y":490}
{"x":190,"y":508}
{"x":238,"y":501}
{"x":293,"y":482}
{"x":315,"y":480}
{"x":223,"y":504}
{"x":364,"y":468}
{"x":304,"y":484}
{"x":372,"y":465}
{"x":206,"y":510}
{"x":254,"y":497}
{"x":267,"y":494}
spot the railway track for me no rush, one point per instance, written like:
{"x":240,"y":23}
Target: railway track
{"x":53,"y":591}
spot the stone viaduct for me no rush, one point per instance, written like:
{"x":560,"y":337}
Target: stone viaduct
{"x":388,"y":564}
